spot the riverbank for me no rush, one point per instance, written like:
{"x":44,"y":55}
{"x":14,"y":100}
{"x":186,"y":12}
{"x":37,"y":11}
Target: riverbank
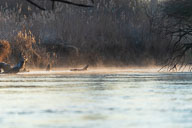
{"x":101,"y":70}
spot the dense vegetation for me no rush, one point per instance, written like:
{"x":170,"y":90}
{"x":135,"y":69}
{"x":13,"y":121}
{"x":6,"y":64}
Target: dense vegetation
{"x":123,"y":32}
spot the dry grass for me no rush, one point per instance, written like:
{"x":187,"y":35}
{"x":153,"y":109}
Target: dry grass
{"x":26,"y":44}
{"x":112,"y":33}
{"x":4,"y":50}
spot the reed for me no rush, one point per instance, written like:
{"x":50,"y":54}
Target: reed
{"x":112,"y":33}
{"x":4,"y":50}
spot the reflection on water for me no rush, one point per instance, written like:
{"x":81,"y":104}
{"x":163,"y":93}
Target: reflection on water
{"x":135,"y":100}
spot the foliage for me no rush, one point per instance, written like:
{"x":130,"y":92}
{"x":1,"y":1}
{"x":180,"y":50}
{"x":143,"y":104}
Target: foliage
{"x":180,"y":9}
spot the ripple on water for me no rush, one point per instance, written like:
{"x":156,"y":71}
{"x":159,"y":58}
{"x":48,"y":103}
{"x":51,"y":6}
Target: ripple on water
{"x":96,"y":100}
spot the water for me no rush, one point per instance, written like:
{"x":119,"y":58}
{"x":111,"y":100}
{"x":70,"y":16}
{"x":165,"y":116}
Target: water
{"x":121,"y":100}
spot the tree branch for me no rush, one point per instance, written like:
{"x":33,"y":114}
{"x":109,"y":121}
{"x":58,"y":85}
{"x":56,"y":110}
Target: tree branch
{"x":61,"y":1}
{"x":36,"y":5}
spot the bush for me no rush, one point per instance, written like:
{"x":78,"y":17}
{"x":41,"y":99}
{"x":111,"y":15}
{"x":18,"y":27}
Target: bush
{"x":4,"y":50}
{"x":26,"y":44}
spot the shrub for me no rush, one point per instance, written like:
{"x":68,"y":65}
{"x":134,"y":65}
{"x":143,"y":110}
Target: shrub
{"x":4,"y":49}
{"x":26,"y":44}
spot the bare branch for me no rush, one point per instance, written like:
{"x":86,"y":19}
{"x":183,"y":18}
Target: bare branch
{"x":36,"y":5}
{"x":61,"y":1}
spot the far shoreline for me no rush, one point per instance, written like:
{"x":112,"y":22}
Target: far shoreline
{"x":101,"y":70}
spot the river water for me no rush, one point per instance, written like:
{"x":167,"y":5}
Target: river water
{"x":117,"y":100}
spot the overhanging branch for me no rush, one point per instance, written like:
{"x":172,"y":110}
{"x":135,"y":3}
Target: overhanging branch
{"x":36,"y":5}
{"x":61,"y":1}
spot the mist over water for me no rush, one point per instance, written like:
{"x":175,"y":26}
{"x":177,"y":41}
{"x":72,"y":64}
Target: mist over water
{"x":124,"y":100}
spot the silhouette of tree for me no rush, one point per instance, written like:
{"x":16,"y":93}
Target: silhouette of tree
{"x":178,"y":26}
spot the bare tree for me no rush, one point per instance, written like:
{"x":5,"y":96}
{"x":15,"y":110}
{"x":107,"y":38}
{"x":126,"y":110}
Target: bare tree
{"x":179,"y":27}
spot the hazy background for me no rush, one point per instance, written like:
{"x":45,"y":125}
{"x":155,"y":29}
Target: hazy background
{"x":119,"y":33}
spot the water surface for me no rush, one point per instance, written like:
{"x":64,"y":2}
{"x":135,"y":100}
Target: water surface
{"x":118,"y":100}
